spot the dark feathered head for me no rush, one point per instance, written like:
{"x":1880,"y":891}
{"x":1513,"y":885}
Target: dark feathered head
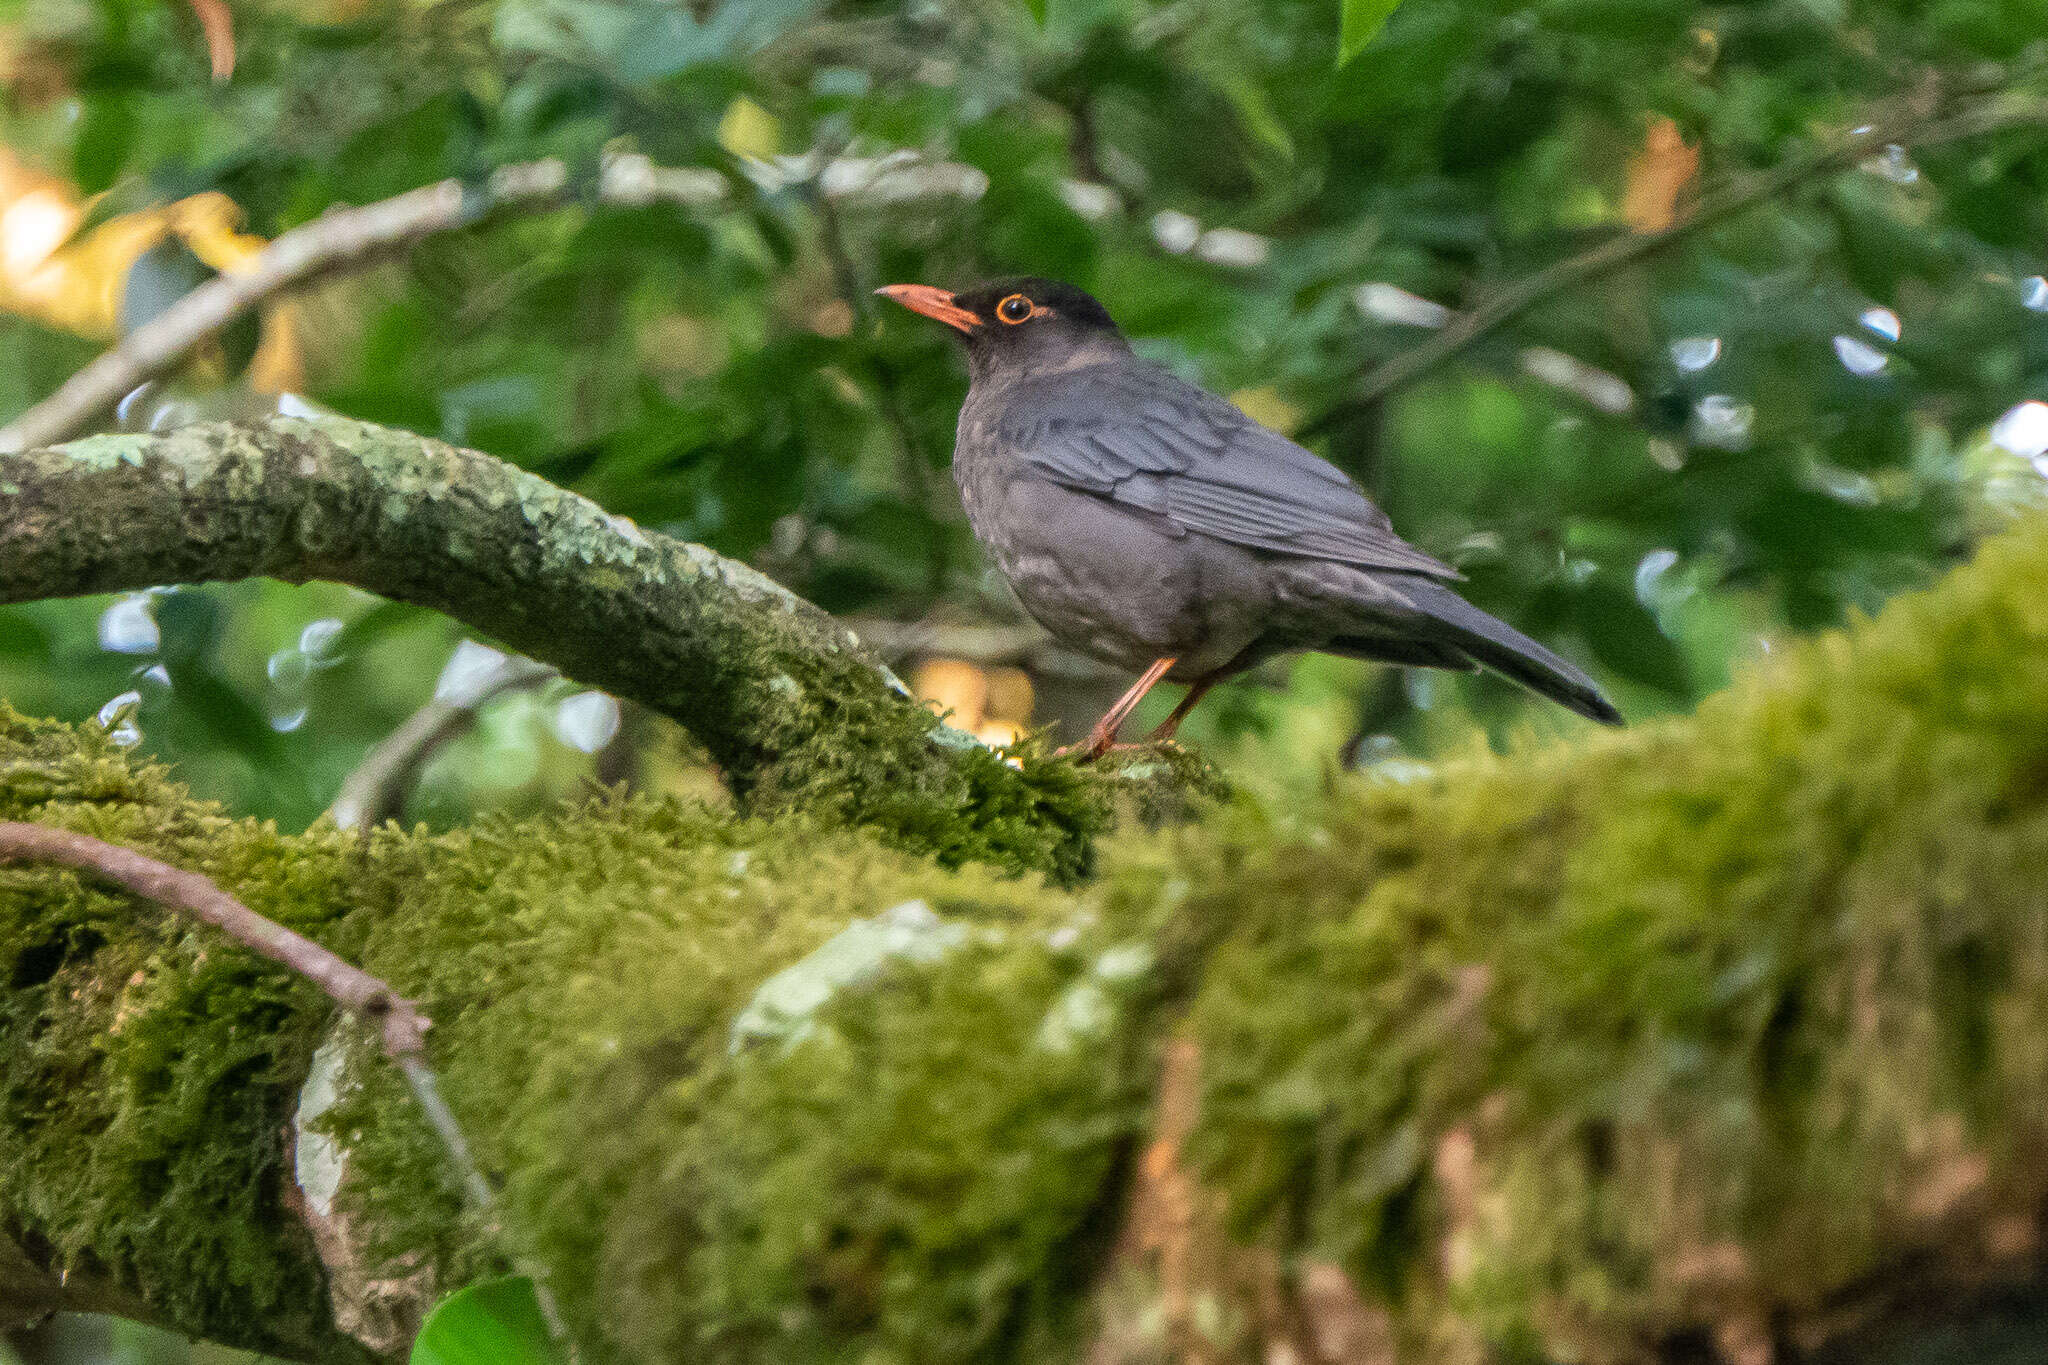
{"x":1021,"y":325}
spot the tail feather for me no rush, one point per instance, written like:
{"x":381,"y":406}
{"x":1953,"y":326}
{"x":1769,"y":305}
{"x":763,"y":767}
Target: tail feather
{"x":1499,"y":646}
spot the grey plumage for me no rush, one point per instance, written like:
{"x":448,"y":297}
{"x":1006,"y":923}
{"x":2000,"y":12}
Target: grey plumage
{"x":1141,"y":518}
{"x":1139,"y":435}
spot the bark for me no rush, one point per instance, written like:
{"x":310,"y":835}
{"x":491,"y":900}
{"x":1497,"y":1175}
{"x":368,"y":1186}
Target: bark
{"x":1718,"y":1040}
{"x":793,"y":709}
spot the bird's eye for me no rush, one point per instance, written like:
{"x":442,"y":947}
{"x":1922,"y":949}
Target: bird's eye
{"x":1015,"y":308}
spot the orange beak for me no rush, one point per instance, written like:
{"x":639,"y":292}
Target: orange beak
{"x":933,"y":303}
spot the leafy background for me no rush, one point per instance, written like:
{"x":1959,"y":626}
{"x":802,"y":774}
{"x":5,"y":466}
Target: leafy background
{"x":1776,"y":422}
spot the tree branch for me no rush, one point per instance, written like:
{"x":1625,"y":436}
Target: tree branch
{"x":787,"y":701}
{"x":1733,"y":197}
{"x":339,"y":239}
{"x":401,"y":1028}
{"x":375,"y":791}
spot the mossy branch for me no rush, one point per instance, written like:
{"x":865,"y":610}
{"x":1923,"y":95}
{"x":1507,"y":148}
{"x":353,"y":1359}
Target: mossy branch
{"x":795,"y":712}
{"x":1712,"y":1035}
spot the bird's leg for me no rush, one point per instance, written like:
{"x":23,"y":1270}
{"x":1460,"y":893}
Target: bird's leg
{"x":1103,"y":736}
{"x":1171,"y":725}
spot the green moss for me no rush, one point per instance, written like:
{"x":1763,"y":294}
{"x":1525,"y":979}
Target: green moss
{"x":910,"y":1169}
{"x":1739,"y":990}
{"x":855,"y":755}
{"x":1546,"y":1050}
{"x":150,"y":1068}
{"x":583,"y":971}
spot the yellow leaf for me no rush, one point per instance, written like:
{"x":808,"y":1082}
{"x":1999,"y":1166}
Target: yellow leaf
{"x":75,"y":283}
{"x":1265,"y":406}
{"x":749,"y":130}
{"x":953,"y":685}
{"x":1657,"y":176}
{"x":1009,"y":695}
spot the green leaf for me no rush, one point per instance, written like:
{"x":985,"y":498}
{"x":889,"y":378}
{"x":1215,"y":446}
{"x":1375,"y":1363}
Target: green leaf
{"x":1255,"y":111}
{"x":107,"y":133}
{"x":1626,"y":638}
{"x":497,"y":1322}
{"x":1037,"y":8}
{"x":1359,"y":23}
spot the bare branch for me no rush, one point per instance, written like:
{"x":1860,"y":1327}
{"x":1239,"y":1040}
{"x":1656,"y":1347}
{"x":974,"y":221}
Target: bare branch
{"x":1731,"y":198}
{"x":375,"y":791}
{"x":401,"y":1027}
{"x":339,"y":239}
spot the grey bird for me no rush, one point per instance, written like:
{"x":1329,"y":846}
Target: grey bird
{"x":1152,"y":525}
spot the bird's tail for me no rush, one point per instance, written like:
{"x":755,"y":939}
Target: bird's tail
{"x":1499,"y":646}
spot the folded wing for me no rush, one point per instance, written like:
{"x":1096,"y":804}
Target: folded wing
{"x":1140,"y":437}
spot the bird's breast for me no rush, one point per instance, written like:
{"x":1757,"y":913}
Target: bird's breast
{"x":1108,"y":582}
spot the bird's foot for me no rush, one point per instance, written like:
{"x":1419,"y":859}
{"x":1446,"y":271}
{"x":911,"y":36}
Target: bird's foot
{"x":1088,"y":750}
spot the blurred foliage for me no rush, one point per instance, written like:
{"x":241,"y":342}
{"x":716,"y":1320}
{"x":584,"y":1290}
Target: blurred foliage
{"x":79,"y":1339}
{"x":1774,"y":423}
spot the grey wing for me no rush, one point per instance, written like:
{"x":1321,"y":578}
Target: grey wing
{"x":1120,"y":431}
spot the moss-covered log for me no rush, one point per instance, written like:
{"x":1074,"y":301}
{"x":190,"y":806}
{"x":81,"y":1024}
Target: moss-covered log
{"x":1717,"y":1040}
{"x":797,"y":715}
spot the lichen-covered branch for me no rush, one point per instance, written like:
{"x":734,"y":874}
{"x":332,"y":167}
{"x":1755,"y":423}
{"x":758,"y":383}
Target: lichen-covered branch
{"x":1701,"y":1042}
{"x":790,"y":706}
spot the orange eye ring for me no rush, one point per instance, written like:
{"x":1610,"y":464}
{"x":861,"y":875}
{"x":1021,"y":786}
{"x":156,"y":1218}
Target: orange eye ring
{"x":1016,"y":308}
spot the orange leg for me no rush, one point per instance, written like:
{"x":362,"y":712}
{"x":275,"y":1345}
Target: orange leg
{"x":1171,"y":725}
{"x":1103,"y":736}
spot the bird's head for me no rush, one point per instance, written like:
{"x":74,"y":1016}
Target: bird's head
{"x":1021,"y":326}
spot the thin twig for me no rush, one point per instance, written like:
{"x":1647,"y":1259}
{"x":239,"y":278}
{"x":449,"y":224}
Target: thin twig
{"x":912,"y":467}
{"x":401,"y":1028}
{"x":845,"y":279}
{"x":426,"y":1092}
{"x":1734,"y":197}
{"x":376,"y":790}
{"x":339,"y":239}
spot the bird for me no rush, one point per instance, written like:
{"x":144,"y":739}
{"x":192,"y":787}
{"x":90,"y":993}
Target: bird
{"x":1152,"y":525}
